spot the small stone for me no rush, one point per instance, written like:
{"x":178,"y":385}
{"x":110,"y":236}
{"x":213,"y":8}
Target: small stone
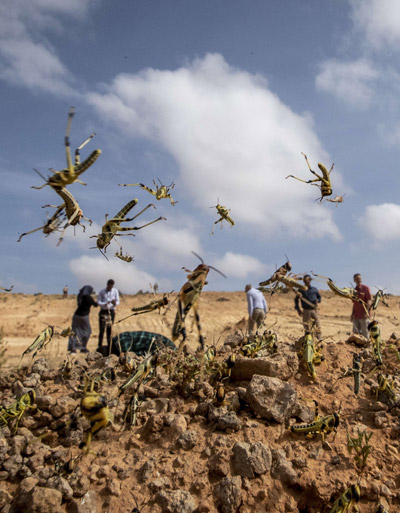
{"x":5,"y":498}
{"x":113,"y":487}
{"x":147,"y":470}
{"x":175,"y":501}
{"x":38,"y":500}
{"x":271,"y":398}
{"x":218,"y":464}
{"x":228,"y":494}
{"x":282,"y":468}
{"x":40,"y":366}
{"x":187,"y":440}
{"x":86,"y":504}
{"x":251,"y":459}
{"x":177,"y":426}
{"x":229,"y":420}
{"x":64,"y":405}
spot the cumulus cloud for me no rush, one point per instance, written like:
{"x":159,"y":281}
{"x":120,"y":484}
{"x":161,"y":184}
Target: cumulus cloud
{"x":128,"y":277}
{"x":240,"y":266}
{"x":231,"y":137}
{"x":26,"y":57}
{"x":378,"y":20}
{"x":350,"y":81}
{"x":382,"y":221}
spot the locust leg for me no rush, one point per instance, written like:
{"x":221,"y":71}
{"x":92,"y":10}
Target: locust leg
{"x":137,"y":215}
{"x":127,"y":228}
{"x":305,"y":181}
{"x":77,"y":152}
{"x":197,"y":317}
{"x":66,"y":139}
{"x":32,"y":231}
{"x":215,"y":222}
{"x":172,"y":201}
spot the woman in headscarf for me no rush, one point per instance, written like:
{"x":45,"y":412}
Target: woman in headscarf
{"x":80,"y":321}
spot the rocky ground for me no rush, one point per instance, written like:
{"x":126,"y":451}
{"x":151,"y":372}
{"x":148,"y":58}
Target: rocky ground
{"x":188,"y":453}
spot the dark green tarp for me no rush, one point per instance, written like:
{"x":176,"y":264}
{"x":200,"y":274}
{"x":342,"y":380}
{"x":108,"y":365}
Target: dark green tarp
{"x":139,"y":342}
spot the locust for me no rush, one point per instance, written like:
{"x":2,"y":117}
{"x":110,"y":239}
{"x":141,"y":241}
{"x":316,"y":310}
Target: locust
{"x":320,"y":425}
{"x":354,"y":371}
{"x":17,"y":409}
{"x":347,"y":500}
{"x":345,"y":292}
{"x":188,"y":298}
{"x":380,"y":296}
{"x":268,"y":340}
{"x":161,"y":191}
{"x":376,"y":341}
{"x":121,"y":256}
{"x":72,"y":209}
{"x":323,"y":182}
{"x":156,"y":304}
{"x":223,"y":212}
{"x":311,"y":354}
{"x":71,"y":173}
{"x":130,"y":413}
{"x":94,"y":407}
{"x":386,"y":387}
{"x":284,"y":277}
{"x":7,"y":290}
{"x":52,"y":224}
{"x":337,"y":199}
{"x":107,"y":376}
{"x":221,"y":369}
{"x":112,"y":226}
{"x":279,"y":273}
{"x":140,"y":374}
{"x":42,"y":340}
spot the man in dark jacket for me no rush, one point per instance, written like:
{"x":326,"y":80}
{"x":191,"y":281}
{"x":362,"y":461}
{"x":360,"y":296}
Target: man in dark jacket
{"x":309,"y":300}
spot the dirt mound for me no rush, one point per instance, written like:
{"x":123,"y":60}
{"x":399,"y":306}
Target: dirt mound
{"x":200,"y":441}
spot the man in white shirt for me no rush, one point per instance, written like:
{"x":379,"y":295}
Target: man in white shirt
{"x":257,"y":307}
{"x":107,"y":300}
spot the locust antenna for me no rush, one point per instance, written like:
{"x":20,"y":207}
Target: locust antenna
{"x":219,"y":272}
{"x":40,"y":174}
{"x":199,"y":257}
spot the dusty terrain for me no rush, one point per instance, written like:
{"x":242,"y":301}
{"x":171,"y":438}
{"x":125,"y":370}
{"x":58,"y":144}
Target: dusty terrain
{"x":180,"y":457}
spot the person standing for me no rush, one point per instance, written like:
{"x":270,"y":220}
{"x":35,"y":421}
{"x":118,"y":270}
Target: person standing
{"x":80,"y":321}
{"x":107,"y":299}
{"x":65,"y":292}
{"x":309,"y":300}
{"x":257,"y":307}
{"x":359,"y":314}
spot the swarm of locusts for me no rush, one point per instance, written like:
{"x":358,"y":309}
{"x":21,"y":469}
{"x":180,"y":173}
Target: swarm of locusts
{"x":112,"y":399}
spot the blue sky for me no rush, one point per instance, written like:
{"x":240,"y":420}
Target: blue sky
{"x":220,"y":97}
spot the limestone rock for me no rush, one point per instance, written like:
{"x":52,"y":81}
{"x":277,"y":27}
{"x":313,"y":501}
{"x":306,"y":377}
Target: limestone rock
{"x":228,"y":494}
{"x":38,"y":500}
{"x":175,"y":501}
{"x":271,"y":398}
{"x":282,"y":366}
{"x":251,"y":459}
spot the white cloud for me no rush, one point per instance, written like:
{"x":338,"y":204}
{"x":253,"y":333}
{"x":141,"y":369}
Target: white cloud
{"x":231,"y":137}
{"x":239,"y":266}
{"x":379,"y":20}
{"x":382,"y":221}
{"x":127,"y":276}
{"x":26,"y":57}
{"x":350,"y":81}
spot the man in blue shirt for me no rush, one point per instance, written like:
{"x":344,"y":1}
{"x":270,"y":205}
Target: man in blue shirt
{"x":257,"y":307}
{"x":309,"y":302}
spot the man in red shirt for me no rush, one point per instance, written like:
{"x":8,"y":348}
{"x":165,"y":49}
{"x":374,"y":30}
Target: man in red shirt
{"x":359,"y":314}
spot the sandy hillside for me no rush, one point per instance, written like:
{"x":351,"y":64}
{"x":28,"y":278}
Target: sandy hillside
{"x":23,"y":316}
